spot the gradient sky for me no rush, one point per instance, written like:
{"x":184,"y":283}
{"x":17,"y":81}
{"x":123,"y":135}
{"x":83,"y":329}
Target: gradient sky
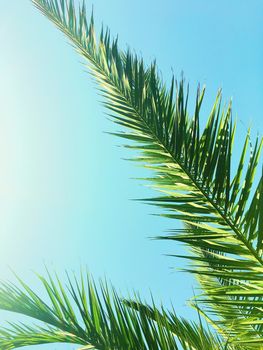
{"x":64,"y":189}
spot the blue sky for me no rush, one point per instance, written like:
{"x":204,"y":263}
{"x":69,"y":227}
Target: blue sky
{"x":65,"y":191}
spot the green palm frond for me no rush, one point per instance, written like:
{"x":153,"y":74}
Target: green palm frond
{"x":20,"y":335}
{"x":193,"y":167}
{"x":191,"y":335}
{"x":95,"y":318}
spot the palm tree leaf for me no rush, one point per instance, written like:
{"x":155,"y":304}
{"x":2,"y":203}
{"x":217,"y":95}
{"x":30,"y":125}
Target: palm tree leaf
{"x":188,"y":162}
{"x":20,"y":335}
{"x":96,"y":318}
{"x":191,"y":335}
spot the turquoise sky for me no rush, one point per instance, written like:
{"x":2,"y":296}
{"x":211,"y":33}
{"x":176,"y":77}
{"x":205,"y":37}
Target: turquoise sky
{"x":65,"y":192}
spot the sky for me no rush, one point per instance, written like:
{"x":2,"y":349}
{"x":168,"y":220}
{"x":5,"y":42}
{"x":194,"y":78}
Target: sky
{"x":65,"y":188}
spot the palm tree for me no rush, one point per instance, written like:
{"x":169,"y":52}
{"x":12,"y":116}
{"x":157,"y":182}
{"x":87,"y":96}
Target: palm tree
{"x":222,"y":216}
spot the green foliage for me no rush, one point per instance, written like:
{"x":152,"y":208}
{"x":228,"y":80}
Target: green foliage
{"x":222,"y":213}
{"x":80,"y":313}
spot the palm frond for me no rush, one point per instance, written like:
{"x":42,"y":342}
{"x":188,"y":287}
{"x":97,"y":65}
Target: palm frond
{"x":96,"y":318}
{"x":20,"y":335}
{"x":191,"y":335}
{"x":193,"y":171}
